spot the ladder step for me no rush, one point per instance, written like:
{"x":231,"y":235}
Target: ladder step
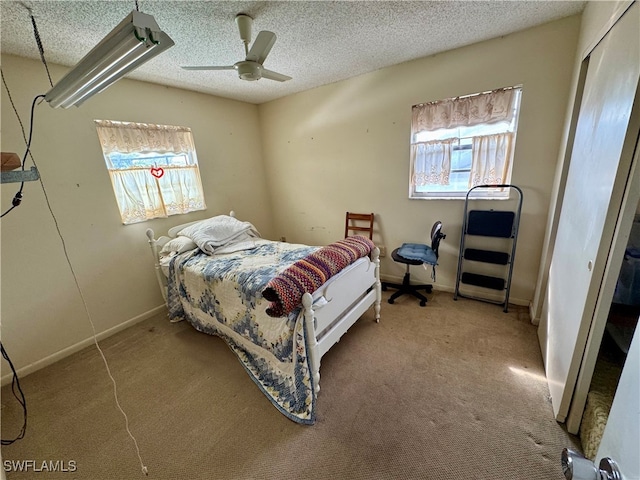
{"x":494,"y":283}
{"x":490,"y":223}
{"x":487,"y":256}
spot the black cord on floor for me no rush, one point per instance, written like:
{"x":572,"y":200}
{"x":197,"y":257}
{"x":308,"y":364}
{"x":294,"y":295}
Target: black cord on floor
{"x":16,"y":389}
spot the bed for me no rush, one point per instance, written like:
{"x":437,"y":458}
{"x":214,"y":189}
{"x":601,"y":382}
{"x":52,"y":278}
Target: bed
{"x":231,"y":283}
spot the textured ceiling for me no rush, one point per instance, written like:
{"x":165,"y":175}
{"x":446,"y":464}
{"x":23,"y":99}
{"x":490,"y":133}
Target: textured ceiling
{"x":317,"y":43}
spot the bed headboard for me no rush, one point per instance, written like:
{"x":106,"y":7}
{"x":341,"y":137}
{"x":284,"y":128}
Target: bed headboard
{"x":173,"y":232}
{"x":156,"y":245}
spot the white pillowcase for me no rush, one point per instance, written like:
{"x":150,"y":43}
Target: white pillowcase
{"x":219,"y":231}
{"x":177,"y":245}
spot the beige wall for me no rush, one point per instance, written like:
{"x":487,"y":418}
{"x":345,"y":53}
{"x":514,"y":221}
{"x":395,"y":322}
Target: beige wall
{"x":345,"y":146}
{"x":292,"y":167}
{"x":42,"y":313}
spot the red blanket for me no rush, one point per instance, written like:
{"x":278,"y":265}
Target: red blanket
{"x":307,"y":275}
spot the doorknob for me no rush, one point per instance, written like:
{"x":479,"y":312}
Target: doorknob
{"x":576,"y":467}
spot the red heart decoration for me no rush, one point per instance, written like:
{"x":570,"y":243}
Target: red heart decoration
{"x":157,"y":172}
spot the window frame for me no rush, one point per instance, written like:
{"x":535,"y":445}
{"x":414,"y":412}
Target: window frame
{"x":489,"y":193}
{"x":184,"y":192}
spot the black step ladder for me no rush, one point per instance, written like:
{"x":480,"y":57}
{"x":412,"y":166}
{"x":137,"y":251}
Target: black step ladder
{"x":490,"y":224}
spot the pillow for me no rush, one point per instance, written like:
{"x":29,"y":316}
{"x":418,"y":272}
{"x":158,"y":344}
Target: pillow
{"x":216,"y":232}
{"x":177,"y":245}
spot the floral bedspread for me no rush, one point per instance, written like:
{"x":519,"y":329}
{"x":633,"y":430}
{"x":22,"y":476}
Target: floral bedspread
{"x":222,"y":295}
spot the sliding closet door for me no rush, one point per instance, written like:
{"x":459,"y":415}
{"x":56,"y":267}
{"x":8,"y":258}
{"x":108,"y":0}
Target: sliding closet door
{"x":595,"y":186}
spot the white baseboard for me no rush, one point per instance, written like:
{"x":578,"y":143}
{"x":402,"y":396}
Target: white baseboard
{"x":24,"y":371}
{"x":534,"y":320}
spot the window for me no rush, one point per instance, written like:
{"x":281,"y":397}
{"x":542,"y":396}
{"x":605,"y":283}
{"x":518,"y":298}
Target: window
{"x":153,"y":169}
{"x":461,"y":142}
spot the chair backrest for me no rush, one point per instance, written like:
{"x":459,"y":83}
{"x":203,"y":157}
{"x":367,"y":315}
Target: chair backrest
{"x":436,"y":236}
{"x":360,"y":223}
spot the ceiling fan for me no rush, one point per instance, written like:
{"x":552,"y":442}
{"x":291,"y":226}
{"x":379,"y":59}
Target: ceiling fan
{"x":251,"y":67}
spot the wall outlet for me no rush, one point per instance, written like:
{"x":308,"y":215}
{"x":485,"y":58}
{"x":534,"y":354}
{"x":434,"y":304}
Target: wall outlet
{"x":383,"y":250}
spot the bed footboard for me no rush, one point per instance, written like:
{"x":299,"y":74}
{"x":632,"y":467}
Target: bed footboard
{"x":347,"y":299}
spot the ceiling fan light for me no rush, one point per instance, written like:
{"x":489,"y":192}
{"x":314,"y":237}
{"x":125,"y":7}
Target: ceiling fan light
{"x":249,"y":77}
{"x":249,"y":70}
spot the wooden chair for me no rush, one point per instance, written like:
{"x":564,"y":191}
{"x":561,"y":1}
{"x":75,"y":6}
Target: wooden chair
{"x":359,"y":224}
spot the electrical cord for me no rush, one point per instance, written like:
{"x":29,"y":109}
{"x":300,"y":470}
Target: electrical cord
{"x":36,"y":34}
{"x":15,"y":110}
{"x":15,"y":384}
{"x":82,"y":297}
{"x":77,"y":284}
{"x":17,"y":199}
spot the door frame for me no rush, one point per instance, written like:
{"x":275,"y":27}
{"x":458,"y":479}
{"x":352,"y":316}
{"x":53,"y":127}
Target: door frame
{"x":570,"y":321}
{"x":537,"y":305}
{"x":624,"y":223}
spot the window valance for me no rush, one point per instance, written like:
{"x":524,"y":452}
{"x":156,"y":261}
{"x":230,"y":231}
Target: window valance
{"x":484,"y":108}
{"x":129,"y":137}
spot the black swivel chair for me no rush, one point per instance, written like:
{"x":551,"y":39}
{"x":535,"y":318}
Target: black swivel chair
{"x":416,"y":254}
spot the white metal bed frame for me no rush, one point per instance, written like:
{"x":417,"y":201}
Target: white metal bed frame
{"x":348,"y":296}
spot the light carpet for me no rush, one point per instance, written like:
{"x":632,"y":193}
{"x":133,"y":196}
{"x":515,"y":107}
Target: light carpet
{"x":453,"y":390}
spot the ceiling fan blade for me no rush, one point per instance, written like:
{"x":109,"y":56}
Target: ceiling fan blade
{"x":211,"y":67}
{"x":261,"y":47}
{"x":271,"y":75}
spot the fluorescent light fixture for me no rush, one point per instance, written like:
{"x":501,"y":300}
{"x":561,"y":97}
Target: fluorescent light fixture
{"x":135,"y":40}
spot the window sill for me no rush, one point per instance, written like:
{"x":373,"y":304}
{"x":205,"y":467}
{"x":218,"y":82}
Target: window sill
{"x":459,"y":197}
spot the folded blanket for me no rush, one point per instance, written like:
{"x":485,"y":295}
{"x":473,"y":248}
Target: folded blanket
{"x":216,"y":232}
{"x":307,"y":275}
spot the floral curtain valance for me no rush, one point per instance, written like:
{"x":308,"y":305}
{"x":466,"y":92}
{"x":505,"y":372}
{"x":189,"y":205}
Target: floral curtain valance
{"x":129,"y":137}
{"x":485,"y":108}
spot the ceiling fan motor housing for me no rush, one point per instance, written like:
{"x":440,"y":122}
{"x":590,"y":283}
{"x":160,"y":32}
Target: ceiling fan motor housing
{"x":244,"y":26}
{"x":249,"y":70}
